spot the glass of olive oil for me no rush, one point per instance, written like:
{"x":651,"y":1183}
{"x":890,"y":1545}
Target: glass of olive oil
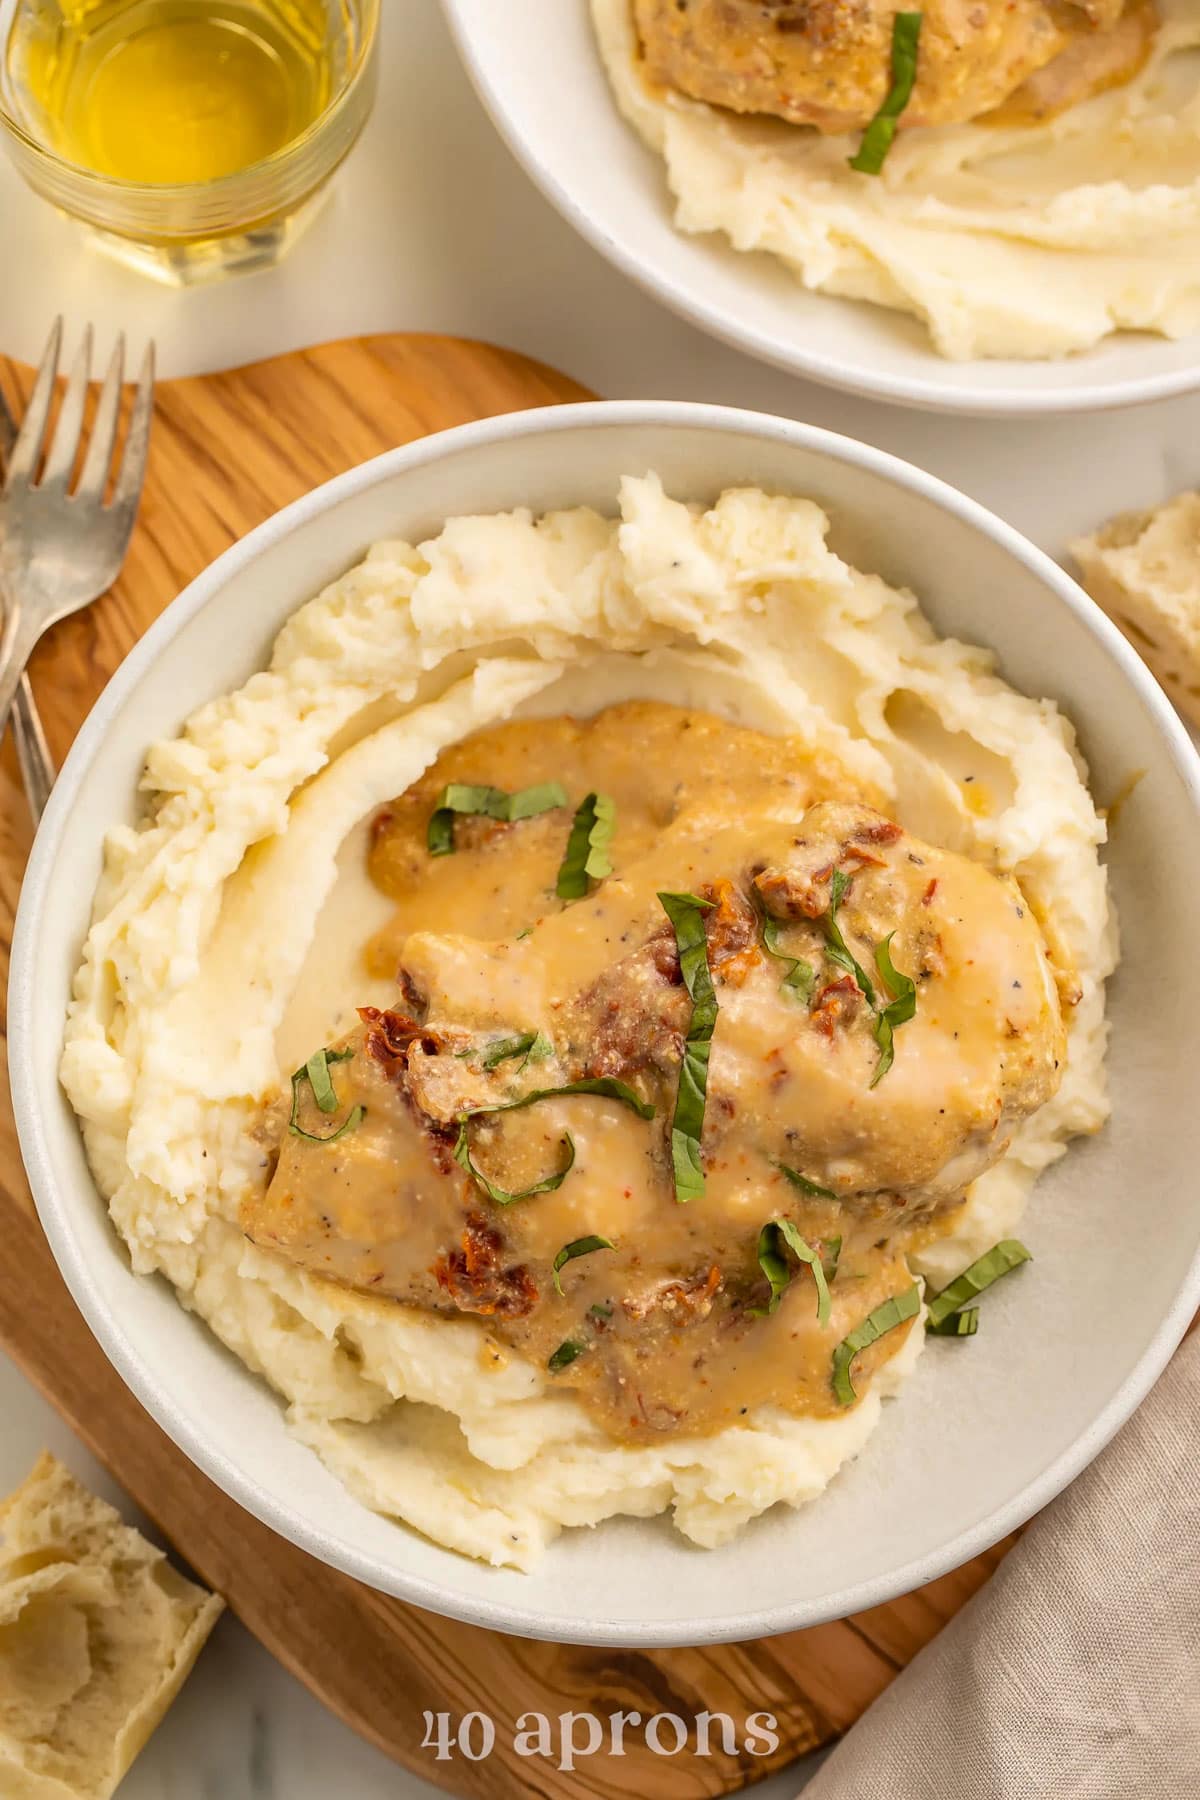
{"x":193,"y":138}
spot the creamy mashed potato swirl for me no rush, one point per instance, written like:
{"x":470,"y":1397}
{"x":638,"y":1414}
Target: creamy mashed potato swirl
{"x":228,"y":920}
{"x":1024,"y":241}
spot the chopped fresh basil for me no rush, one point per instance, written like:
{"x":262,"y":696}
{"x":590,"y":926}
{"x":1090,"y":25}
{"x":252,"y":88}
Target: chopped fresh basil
{"x":805,"y":1185}
{"x":504,"y":1049}
{"x":801,"y":977}
{"x":579,"y":1247}
{"x":490,"y":803}
{"x":586,"y":858}
{"x":832,"y":1245}
{"x":999,"y":1260}
{"x":889,"y":1012}
{"x":566,"y":1353}
{"x":837,"y":949}
{"x":686,"y":913}
{"x":501,"y":1196}
{"x":899,"y":1009}
{"x":959,"y":1324}
{"x":886,"y":1316}
{"x":831,"y":1258}
{"x":316,"y":1072}
{"x":351,"y":1122}
{"x":877,"y":138}
{"x":606,"y":1086}
{"x":526,"y":803}
{"x":531,"y":1046}
{"x":600,"y":1311}
{"x":459,"y":797}
{"x":774,"y":1240}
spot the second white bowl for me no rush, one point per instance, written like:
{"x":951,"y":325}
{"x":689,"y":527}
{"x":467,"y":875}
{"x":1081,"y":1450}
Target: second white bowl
{"x":537,"y":70}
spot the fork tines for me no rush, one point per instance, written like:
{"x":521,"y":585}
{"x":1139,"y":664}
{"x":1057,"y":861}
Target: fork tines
{"x":63,"y":452}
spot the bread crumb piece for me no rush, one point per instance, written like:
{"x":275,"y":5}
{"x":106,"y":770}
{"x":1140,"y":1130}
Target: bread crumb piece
{"x":1143,"y":568}
{"x":97,"y":1634}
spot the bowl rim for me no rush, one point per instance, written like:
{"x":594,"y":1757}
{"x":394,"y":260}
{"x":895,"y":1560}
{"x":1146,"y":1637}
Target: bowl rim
{"x":1047,"y":400}
{"x":35,"y":1131}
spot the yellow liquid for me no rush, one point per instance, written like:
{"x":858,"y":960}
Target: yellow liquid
{"x":173,"y":91}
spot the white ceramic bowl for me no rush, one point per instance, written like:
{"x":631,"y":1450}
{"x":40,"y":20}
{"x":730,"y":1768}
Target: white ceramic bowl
{"x":984,"y":1433}
{"x":535,"y":66}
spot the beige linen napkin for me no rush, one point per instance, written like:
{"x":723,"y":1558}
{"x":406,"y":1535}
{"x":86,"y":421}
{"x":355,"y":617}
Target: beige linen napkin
{"x":1075,"y":1673}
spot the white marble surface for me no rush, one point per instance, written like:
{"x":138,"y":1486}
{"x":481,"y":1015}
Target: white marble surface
{"x":433,"y":227}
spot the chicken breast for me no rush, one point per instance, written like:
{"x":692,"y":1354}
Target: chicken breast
{"x":827,"y":63}
{"x":885,"y":1016}
{"x":1093,"y":62}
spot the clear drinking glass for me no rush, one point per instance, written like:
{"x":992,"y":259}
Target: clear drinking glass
{"x":191,"y":138}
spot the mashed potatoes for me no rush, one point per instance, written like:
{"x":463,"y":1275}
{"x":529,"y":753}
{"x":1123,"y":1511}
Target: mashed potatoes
{"x":201,"y":982}
{"x":1017,"y":241}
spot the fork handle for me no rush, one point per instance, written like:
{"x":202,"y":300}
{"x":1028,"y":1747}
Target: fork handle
{"x":33,"y":752}
{"x":17,"y":644}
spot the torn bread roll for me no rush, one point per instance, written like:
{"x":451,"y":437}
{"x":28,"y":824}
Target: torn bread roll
{"x":97,"y":1635}
{"x":1143,"y":568}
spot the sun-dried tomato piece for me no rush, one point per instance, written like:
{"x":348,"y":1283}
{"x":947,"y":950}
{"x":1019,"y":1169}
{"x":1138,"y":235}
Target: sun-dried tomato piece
{"x":836,"y":1001}
{"x":476,"y":1279}
{"x":390,"y":1037}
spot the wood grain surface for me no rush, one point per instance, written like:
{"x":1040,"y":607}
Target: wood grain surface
{"x":228,"y":450}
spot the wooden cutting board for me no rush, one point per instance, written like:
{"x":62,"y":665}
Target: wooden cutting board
{"x":228,"y":450}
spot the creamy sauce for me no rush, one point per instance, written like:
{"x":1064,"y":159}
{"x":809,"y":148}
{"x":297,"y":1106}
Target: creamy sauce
{"x":670,"y":1322}
{"x":675,"y":775}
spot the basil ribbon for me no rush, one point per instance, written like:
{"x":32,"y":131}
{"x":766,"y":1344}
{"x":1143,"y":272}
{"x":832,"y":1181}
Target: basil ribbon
{"x":502,"y":1196}
{"x":877,"y":138}
{"x":886,"y":1316}
{"x":531,"y":1046}
{"x":316,"y":1072}
{"x":774,"y":1240}
{"x":1000,"y":1260}
{"x":578,"y":1247}
{"x":586,"y":857}
{"x":898,"y":1011}
{"x":489,"y":803}
{"x":686,"y":913}
{"x":801,"y":977}
{"x":606,"y":1086}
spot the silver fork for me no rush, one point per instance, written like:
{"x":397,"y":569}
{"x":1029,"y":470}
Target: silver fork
{"x":33,"y":752}
{"x":60,"y":550}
